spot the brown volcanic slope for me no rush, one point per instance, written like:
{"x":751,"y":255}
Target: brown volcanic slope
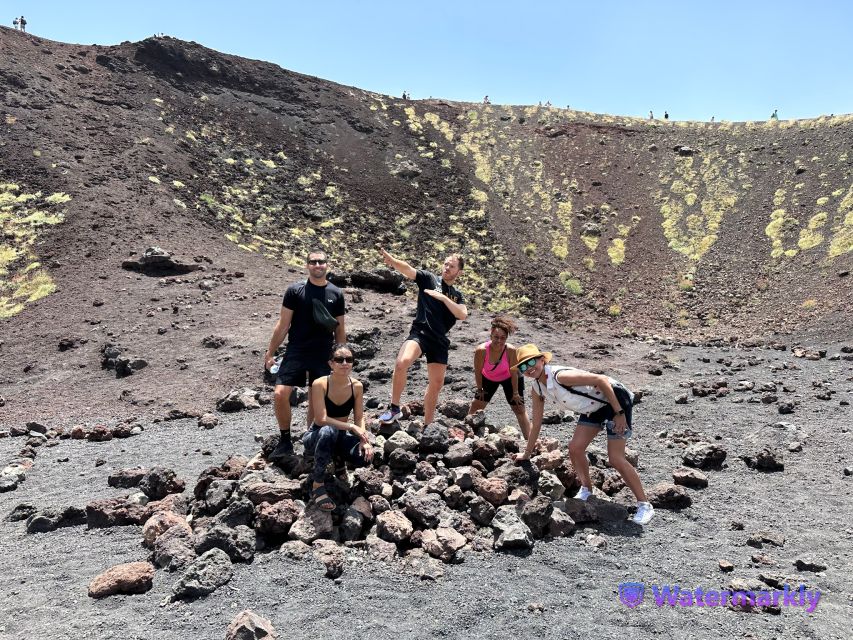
{"x":694,"y":228}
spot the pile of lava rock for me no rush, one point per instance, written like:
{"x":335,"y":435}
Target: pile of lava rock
{"x":433,"y":493}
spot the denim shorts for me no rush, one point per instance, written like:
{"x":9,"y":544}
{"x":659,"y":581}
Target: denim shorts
{"x":603,"y":418}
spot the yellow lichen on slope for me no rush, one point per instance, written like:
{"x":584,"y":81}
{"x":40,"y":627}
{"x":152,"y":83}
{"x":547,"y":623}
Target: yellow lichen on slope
{"x":560,"y":239}
{"x":788,"y":236}
{"x":440,"y":125}
{"x":414,"y":122}
{"x":22,"y":218}
{"x":842,"y":239}
{"x":810,"y":237}
{"x":616,"y":251}
{"x":779,"y":224}
{"x":691,"y":232}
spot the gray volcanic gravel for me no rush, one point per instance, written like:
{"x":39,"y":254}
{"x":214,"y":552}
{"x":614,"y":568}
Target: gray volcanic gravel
{"x":45,"y":576}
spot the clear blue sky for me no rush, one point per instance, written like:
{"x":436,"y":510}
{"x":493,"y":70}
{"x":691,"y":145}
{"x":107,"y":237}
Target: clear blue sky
{"x":733,"y":60}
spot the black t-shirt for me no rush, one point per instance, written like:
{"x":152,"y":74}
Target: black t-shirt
{"x":433,"y":317}
{"x":304,"y":334}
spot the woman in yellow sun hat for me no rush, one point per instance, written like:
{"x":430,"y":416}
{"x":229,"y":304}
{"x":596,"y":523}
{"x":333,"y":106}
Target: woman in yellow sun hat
{"x":601,"y":401}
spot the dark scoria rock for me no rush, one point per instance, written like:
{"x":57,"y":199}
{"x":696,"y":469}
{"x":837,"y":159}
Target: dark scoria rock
{"x":238,"y":543}
{"x":115,"y":512}
{"x":767,"y":458}
{"x":667,"y":495}
{"x":126,"y":478}
{"x":160,"y":482}
{"x":704,"y":455}
{"x":52,"y":519}
{"x":206,"y":574}
{"x":158,"y":262}
{"x":536,"y":514}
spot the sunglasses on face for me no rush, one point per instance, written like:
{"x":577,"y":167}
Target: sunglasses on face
{"x":312,"y":262}
{"x":527,"y":364}
{"x":343,"y":359}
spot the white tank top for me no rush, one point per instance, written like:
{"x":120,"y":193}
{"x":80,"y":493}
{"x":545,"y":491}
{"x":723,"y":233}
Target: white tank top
{"x":573,"y":401}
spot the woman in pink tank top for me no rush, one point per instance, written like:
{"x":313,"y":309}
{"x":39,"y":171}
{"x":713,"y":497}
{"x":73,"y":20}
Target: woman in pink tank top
{"x":492,"y":363}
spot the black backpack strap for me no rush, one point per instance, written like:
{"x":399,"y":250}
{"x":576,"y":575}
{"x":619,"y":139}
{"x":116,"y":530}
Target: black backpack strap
{"x":500,"y":359}
{"x":578,"y":393}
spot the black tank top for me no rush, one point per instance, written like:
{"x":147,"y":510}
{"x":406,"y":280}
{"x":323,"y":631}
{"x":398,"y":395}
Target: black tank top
{"x":340,"y":411}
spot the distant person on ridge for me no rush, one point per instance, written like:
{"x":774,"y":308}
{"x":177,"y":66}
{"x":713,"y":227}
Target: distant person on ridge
{"x":440,"y":305}
{"x":775,"y":114}
{"x":493,"y":362}
{"x":666,"y":115}
{"x":23,"y":23}
{"x":15,"y":23}
{"x":604,"y":403}
{"x":651,"y":116}
{"x":312,"y":318}
{"x":486,"y":100}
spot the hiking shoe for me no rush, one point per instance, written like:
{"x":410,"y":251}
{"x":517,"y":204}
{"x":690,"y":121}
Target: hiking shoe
{"x":283,"y":449}
{"x":583,"y":494}
{"x":645,"y":511}
{"x":390,"y":416}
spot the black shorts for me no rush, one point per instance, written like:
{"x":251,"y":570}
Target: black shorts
{"x":296,"y":368}
{"x":434,"y":350}
{"x":490,"y":386}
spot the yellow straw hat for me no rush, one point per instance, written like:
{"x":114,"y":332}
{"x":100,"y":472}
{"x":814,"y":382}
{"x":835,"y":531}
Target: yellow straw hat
{"x":523,"y":354}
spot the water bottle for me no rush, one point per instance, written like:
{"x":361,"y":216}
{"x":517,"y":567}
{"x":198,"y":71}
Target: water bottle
{"x":275,"y":366}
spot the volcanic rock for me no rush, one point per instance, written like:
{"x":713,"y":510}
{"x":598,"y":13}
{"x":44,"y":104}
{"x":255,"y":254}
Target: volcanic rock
{"x":442,"y":543}
{"x":238,"y":400}
{"x":514,"y":534}
{"x":132,"y":577}
{"x":667,"y":495}
{"x":160,"y":482}
{"x":247,"y":625}
{"x":704,"y":455}
{"x":394,"y":526}
{"x":206,"y":574}
{"x":690,"y":478}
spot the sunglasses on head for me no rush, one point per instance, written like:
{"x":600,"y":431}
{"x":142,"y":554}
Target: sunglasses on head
{"x":343,"y":359}
{"x":527,"y":364}
{"x":317,"y":261}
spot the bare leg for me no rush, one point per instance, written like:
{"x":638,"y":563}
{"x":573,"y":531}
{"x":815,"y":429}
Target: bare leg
{"x":476,"y":405}
{"x":310,"y":414}
{"x":523,"y":421}
{"x":281,"y":403}
{"x":435,"y":374}
{"x":577,"y":452}
{"x":409,"y":352}
{"x":616,"y":456}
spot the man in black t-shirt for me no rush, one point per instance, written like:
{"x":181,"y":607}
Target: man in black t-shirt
{"x":440,"y":305}
{"x":309,"y":341}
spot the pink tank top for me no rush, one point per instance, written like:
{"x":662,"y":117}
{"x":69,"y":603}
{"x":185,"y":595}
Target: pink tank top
{"x":495,"y":372}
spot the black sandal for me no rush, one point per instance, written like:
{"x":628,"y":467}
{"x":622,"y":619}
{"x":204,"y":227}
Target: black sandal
{"x":322,"y":500}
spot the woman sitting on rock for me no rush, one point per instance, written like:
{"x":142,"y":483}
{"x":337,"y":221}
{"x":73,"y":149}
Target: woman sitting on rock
{"x":333,"y":437}
{"x":493,"y":362}
{"x":601,"y":401}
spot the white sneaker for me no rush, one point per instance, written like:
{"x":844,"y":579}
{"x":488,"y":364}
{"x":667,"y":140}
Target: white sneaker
{"x":583,"y":494}
{"x":645,"y":511}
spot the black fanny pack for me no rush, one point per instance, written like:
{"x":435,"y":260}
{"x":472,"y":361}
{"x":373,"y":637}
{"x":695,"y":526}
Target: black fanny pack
{"x":322,"y":316}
